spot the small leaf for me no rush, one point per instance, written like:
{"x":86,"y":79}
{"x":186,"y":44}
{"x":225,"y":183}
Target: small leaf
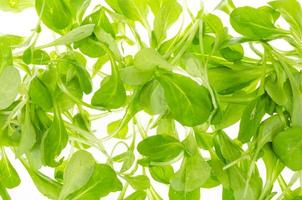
{"x":193,"y":173}
{"x":139,"y":182}
{"x":28,"y":134}
{"x":75,"y":35}
{"x":251,"y":118}
{"x":136,"y":10}
{"x":167,"y":14}
{"x":162,"y":174}
{"x":39,"y":94}
{"x":54,"y":13}
{"x":53,"y":142}
{"x":36,"y":57}
{"x":147,"y":59}
{"x":160,"y":148}
{"x":8,"y":175}
{"x":6,"y":56}
{"x":111,"y":95}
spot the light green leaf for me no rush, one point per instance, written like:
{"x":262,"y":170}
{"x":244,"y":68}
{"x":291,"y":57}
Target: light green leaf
{"x":147,"y":59}
{"x":8,"y":175}
{"x":16,"y":6}
{"x":10,"y":82}
{"x":77,"y":173}
{"x":75,"y":35}
{"x":139,"y":182}
{"x":167,"y":14}
{"x":28,"y":134}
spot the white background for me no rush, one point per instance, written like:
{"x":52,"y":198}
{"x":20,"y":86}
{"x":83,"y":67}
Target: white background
{"x":22,"y":24}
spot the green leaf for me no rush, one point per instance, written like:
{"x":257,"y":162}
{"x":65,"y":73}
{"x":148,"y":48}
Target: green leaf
{"x":39,"y":94}
{"x":217,"y":27}
{"x":134,"y":76}
{"x":75,"y":35}
{"x":166,"y":16}
{"x":4,"y":194}
{"x":189,"y":102}
{"x":251,"y":118}
{"x":291,"y":11}
{"x":162,"y":174}
{"x":77,"y":62}
{"x":10,"y":82}
{"x":16,"y":6}
{"x":288,"y":147}
{"x":55,"y":14}
{"x":77,"y":8}
{"x":90,"y":47}
{"x":8,"y":175}
{"x":107,"y":39}
{"x":53,"y":142}
{"x":77,"y":173}
{"x":102,"y":182}
{"x":127,"y":158}
{"x":111,"y":95}
{"x":147,"y":59}
{"x":44,"y":184}
{"x":138,"y":195}
{"x":112,"y":127}
{"x":11,"y":40}
{"x":114,"y":4}
{"x":254,"y":23}
{"x":6,"y":56}
{"x":36,"y":57}
{"x":152,"y":98}
{"x":176,"y":195}
{"x":226,"y":80}
{"x":136,"y":10}
{"x":139,"y":182}
{"x":233,"y":53}
{"x":28,"y":134}
{"x":160,"y":148}
{"x":193,"y":173}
